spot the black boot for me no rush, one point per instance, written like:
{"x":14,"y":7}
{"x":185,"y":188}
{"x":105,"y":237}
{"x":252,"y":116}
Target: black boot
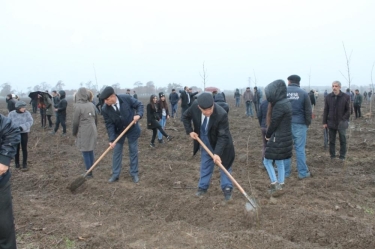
{"x":24,"y":167}
{"x":17,"y":165}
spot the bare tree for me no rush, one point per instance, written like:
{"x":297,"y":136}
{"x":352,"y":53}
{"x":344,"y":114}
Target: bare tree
{"x":138,"y":84}
{"x":60,"y":85}
{"x":204,"y":76}
{"x":44,"y":86}
{"x":348,"y":78}
{"x":372,"y":89}
{"x":255,"y":79}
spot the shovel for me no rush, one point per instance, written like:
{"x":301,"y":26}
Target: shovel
{"x":326,"y":138}
{"x":251,"y":204}
{"x":81,"y":179}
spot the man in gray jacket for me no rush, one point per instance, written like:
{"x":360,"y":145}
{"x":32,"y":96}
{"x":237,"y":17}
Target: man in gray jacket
{"x":301,"y":119}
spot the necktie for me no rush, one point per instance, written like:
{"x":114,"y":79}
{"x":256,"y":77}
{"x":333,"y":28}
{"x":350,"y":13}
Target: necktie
{"x":204,"y":125}
{"x":117,"y":110}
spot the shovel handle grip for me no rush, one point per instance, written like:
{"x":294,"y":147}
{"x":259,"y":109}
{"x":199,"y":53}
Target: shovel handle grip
{"x":222,"y":167}
{"x":109,"y":148}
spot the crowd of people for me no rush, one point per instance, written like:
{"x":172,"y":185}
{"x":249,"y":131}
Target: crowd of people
{"x":284,"y":114}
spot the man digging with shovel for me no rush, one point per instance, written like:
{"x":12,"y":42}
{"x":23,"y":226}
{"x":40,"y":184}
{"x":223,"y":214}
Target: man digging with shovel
{"x":211,"y":126}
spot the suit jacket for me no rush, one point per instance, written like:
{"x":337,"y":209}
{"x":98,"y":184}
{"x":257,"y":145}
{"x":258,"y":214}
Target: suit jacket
{"x":116,"y":123}
{"x":192,"y":97}
{"x":218,"y":131}
{"x":184,"y":99}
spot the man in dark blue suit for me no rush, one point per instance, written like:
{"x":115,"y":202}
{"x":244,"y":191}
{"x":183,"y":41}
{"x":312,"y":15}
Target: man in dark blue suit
{"x":118,"y":112}
{"x":212,"y":127}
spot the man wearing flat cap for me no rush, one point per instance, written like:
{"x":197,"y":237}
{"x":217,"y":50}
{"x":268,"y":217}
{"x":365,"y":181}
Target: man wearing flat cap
{"x":118,"y":112}
{"x":301,"y":119}
{"x":212,"y":127}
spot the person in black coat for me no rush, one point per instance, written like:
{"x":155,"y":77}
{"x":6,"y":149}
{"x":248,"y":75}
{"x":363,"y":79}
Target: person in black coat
{"x":10,"y":138}
{"x":185,"y":100}
{"x":312,"y":99}
{"x":279,"y":134}
{"x":153,"y":118}
{"x":211,"y":125}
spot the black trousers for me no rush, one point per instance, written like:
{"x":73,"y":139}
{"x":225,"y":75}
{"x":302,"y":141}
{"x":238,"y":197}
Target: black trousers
{"x":357,"y":111}
{"x":43,"y":120}
{"x":23,"y":145}
{"x":49,"y":121}
{"x":332,"y":143}
{"x":60,"y":119}
{"x":7,"y":231}
{"x":155,"y":131}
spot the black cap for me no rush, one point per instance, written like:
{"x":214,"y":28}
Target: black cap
{"x":294,"y":78}
{"x":161,"y":94}
{"x":108,"y":91}
{"x":205,"y":100}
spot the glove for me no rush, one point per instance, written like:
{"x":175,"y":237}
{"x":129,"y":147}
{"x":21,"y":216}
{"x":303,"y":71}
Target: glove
{"x":21,"y":128}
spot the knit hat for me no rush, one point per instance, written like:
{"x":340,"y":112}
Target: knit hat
{"x":205,"y":100}
{"x":108,"y":91}
{"x":161,"y":94}
{"x":20,"y":104}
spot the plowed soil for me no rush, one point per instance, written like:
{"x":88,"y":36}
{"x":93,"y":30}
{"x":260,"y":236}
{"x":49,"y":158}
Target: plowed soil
{"x":333,"y":209}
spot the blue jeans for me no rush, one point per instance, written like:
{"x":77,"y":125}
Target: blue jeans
{"x":271,"y":171}
{"x":88,"y":158}
{"x":249,"y":109}
{"x":238,"y":101}
{"x":299,"y":132}
{"x":174,"y":110}
{"x":162,"y":123}
{"x":117,"y":157}
{"x":206,"y":170}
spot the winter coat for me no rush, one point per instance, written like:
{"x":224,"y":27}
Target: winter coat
{"x":358,"y":100}
{"x":279,"y":132}
{"x":153,"y":116}
{"x":174,"y":98}
{"x":237,"y":94}
{"x":301,"y":105}
{"x":84,"y":121}
{"x":219,"y":98}
{"x":160,"y":108}
{"x":336,"y":110}
{"x":248,"y":96}
{"x":116,"y":123}
{"x":11,"y":104}
{"x":55,"y":101}
{"x":9,"y":139}
{"x":23,"y":120}
{"x":61,"y":106}
{"x":49,"y":106}
{"x":262,"y":114}
{"x":312,"y":97}
{"x":218,"y":131}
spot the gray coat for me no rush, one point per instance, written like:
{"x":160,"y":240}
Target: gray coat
{"x":84,"y":121}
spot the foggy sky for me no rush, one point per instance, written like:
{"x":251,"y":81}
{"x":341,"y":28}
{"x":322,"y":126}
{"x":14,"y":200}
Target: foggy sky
{"x":168,"y":41}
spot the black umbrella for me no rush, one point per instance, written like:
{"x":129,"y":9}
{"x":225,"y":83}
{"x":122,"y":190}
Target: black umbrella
{"x":34,"y":95}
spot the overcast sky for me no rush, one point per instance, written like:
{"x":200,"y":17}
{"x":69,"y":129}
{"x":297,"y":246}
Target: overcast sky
{"x":168,"y":41}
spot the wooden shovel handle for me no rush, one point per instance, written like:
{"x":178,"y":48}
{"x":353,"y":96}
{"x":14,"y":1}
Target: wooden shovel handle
{"x":109,"y":148}
{"x":222,"y":167}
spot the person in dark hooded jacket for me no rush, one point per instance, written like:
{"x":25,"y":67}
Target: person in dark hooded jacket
{"x":279,"y":134}
{"x":219,"y":98}
{"x":61,"y":114}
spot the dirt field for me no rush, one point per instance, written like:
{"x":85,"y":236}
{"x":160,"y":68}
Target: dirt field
{"x":333,"y":209}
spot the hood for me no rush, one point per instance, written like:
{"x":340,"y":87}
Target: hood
{"x":276,"y":91}
{"x":82,"y":95}
{"x":62,"y":94}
